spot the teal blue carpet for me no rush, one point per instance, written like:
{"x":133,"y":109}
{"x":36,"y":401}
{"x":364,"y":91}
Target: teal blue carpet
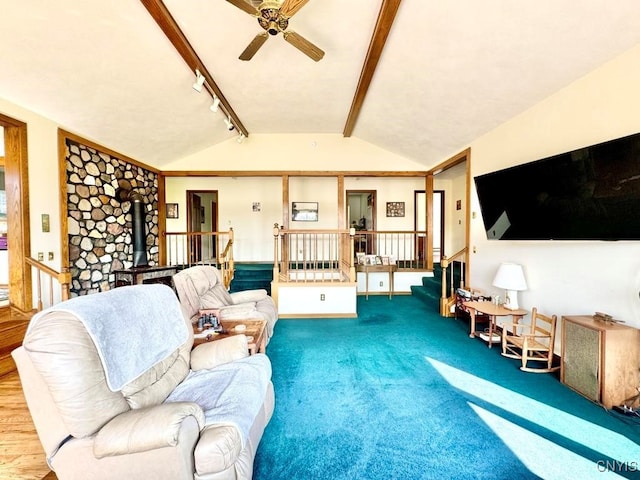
{"x":402,"y":393}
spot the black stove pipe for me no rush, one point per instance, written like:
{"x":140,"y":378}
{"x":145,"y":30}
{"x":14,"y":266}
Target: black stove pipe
{"x":139,"y":231}
{"x":138,"y":226}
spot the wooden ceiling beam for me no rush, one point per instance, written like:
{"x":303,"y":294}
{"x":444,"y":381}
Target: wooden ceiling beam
{"x":161,"y":14}
{"x":387,"y":15}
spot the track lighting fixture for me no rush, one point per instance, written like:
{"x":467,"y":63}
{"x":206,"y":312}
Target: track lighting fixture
{"x":214,"y":105}
{"x":197,"y":86}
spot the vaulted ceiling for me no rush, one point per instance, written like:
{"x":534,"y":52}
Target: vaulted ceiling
{"x":423,"y":81}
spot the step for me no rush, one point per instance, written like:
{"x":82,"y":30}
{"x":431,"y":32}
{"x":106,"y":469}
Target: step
{"x":252,"y":276}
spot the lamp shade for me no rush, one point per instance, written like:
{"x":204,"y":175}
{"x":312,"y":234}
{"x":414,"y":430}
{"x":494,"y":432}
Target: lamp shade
{"x":510,"y":276}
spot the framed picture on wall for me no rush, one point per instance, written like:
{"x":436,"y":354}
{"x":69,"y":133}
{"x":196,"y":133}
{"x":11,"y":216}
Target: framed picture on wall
{"x":172,"y":210}
{"x":395,"y":209}
{"x":304,"y":211}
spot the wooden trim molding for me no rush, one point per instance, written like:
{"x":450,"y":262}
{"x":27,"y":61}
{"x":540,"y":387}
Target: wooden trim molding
{"x":77,"y":138}
{"x":288,"y":173}
{"x":62,"y":183}
{"x":452,"y":162}
{"x":18,"y":221}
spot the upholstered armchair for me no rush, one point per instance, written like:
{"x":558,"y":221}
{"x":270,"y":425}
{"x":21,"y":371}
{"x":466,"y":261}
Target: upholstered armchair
{"x":200,"y":288}
{"x":116,"y":390}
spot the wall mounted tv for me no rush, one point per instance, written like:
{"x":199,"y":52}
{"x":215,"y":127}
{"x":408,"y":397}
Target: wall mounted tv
{"x":592,"y":193}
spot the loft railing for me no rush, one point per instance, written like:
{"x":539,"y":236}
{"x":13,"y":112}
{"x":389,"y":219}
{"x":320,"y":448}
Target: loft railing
{"x":455,"y":265}
{"x":48,"y":280}
{"x":313,"y":255}
{"x":408,"y":249}
{"x":330,"y":255}
{"x":185,"y":249}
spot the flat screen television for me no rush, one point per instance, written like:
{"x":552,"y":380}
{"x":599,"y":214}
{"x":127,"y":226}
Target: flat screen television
{"x":591,"y":193}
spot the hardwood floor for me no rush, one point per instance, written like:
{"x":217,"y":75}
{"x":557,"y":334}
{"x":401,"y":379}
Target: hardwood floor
{"x":21,"y":455}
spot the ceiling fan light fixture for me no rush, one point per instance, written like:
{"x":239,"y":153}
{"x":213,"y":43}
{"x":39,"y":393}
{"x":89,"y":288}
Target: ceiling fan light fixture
{"x":215,"y":104}
{"x":197,"y":86}
{"x":273,"y":28}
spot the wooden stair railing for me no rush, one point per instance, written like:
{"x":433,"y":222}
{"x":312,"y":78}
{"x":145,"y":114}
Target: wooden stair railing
{"x":63,"y":279}
{"x":185,"y":249}
{"x":448,"y":296}
{"x":226,"y":262}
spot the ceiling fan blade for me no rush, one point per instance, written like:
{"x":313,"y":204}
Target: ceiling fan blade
{"x":304,"y":45}
{"x":253,"y":47}
{"x":290,"y":7}
{"x":247,"y":7}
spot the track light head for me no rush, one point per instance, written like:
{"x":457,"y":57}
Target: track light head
{"x":240,"y":138}
{"x":214,"y":105}
{"x":197,"y":86}
{"x":227,"y":122}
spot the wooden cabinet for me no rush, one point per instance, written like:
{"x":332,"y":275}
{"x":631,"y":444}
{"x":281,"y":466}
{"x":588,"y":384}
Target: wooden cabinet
{"x":600,"y":360}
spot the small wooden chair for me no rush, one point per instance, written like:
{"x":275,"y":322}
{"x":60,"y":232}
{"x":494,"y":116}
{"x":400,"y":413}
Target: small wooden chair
{"x":531,"y":342}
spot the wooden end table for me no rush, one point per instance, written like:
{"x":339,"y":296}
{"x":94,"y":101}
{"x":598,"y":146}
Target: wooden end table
{"x":388,"y":269}
{"x":254,"y":332}
{"x":493,"y":311}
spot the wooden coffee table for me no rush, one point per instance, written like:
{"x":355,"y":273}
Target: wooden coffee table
{"x":256,"y":339}
{"x":488,"y":308}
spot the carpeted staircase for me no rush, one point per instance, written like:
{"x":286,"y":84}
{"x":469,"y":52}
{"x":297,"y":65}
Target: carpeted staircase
{"x":251,"y":276}
{"x":431,"y":288}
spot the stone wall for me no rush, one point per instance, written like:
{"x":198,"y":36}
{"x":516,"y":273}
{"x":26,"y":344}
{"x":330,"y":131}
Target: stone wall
{"x":99,"y":225}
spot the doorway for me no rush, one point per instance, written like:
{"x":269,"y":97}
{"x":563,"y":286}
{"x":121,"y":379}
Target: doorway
{"x":202,"y":217}
{"x":361,"y":215}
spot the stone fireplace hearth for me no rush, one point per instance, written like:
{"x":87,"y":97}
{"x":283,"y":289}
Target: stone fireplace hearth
{"x":100,"y":229}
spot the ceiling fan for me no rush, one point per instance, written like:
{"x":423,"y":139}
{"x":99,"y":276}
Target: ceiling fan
{"x":273,"y":16}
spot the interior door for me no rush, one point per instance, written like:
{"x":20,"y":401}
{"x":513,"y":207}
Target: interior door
{"x":195,"y":242}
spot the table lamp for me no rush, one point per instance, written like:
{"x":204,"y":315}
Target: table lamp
{"x":510,"y":277}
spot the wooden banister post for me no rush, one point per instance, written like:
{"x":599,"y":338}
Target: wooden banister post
{"x":276,"y":237}
{"x":444,"y":263}
{"x":352,"y":269}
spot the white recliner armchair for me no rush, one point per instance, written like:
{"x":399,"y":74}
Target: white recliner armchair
{"x":200,"y":288}
{"x":116,"y":391}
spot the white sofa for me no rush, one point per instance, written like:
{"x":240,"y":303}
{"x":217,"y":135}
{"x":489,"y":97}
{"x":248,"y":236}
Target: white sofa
{"x":116,"y":391}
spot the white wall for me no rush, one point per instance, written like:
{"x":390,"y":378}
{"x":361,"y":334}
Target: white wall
{"x":566,"y":277}
{"x":295,"y":152}
{"x":320,"y":190}
{"x":252,"y":230}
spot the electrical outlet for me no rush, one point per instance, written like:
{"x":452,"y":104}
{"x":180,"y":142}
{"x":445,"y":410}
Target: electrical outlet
{"x":381,"y":283}
{"x":50,"y":256}
{"x":41,"y":256}
{"x":322,"y":297}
